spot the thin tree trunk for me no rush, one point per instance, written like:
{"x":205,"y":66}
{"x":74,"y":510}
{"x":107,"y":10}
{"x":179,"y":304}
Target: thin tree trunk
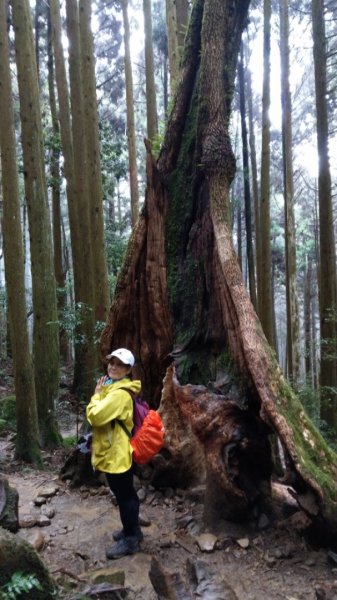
{"x":45,"y":334}
{"x":172,"y":44}
{"x":60,"y":274}
{"x":327,"y":253}
{"x":265,"y":294}
{"x":27,"y":434}
{"x":93,"y":166}
{"x":255,"y":187}
{"x":248,"y":208}
{"x":130,"y":117}
{"x":308,"y":342}
{"x":151,"y":104}
{"x":293,"y":350}
{"x":182,"y":14}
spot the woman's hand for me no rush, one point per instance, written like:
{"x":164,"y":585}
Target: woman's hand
{"x":101,"y":381}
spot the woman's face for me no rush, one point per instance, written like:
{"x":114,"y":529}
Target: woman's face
{"x":116,"y":369}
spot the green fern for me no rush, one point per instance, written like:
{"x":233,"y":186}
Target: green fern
{"x":19,"y":583}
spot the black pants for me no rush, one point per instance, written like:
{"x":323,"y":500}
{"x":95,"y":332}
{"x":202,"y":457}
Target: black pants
{"x":121,"y":484}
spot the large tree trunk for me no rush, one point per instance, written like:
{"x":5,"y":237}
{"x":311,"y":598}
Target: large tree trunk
{"x":85,"y":352}
{"x":27,"y":439}
{"x":181,"y":293}
{"x":45,"y":334}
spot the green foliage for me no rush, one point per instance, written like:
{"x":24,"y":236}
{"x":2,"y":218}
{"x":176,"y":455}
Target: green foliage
{"x":69,"y":442}
{"x":117,"y":238}
{"x":8,"y":412}
{"x":19,"y":583}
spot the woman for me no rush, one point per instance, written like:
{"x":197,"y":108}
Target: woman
{"x":111,"y":449}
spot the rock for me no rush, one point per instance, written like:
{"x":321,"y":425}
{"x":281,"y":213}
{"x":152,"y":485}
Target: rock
{"x":286,"y":551}
{"x":49,"y":492}
{"x":111,"y":575}
{"x":243,"y":542}
{"x":48,"y":511}
{"x":9,"y":503}
{"x":193,"y":528}
{"x":141,"y":494}
{"x":42,"y":521}
{"x":270,"y":560}
{"x":144,"y":521}
{"x":184,"y":520}
{"x":39,"y":500}
{"x":34,"y":537}
{"x":206,"y":542}
{"x":26,"y":521}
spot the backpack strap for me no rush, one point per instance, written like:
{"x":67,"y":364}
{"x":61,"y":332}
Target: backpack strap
{"x":124,"y":427}
{"x":121,"y":423}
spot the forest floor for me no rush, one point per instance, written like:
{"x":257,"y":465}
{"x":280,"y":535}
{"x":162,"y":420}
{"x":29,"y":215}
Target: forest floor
{"x":73,"y":527}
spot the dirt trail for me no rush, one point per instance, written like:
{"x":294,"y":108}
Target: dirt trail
{"x":276,"y":564}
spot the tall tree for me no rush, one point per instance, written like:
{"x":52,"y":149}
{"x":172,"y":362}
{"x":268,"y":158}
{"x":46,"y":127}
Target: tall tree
{"x":181,"y":262}
{"x":85,"y":355}
{"x":27,"y":438}
{"x":130,"y":117}
{"x":246,"y":170}
{"x":182,"y":15}
{"x":151,"y":103}
{"x":60,"y":272}
{"x":45,"y":333}
{"x":265,"y":294}
{"x":93,"y":164}
{"x":172,"y":43}
{"x":327,"y":253}
{"x":293,"y":349}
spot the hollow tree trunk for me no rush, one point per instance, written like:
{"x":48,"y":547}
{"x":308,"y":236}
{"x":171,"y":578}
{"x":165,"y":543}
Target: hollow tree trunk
{"x":181,"y":296}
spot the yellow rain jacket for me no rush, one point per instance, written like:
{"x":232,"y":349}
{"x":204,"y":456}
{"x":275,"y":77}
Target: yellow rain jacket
{"x":111,"y":449}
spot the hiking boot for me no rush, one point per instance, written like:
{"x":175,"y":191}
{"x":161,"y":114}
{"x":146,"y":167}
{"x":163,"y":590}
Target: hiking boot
{"x":125,"y":546}
{"x":119,"y":535}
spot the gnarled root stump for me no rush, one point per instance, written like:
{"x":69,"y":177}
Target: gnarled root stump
{"x":181,"y":463}
{"x":237,"y":451}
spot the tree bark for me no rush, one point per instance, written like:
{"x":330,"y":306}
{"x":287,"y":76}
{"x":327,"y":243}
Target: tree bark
{"x":45,"y":334}
{"x":151,"y":104}
{"x":327,"y":253}
{"x":265,"y":295}
{"x":172,"y":44}
{"x":93,"y":166}
{"x":59,"y":267}
{"x":248,"y":204}
{"x":27,"y":439}
{"x":130,"y":117}
{"x":85,"y":352}
{"x":293,"y":349}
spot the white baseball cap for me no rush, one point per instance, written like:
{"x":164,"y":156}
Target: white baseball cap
{"x":124,"y":355}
